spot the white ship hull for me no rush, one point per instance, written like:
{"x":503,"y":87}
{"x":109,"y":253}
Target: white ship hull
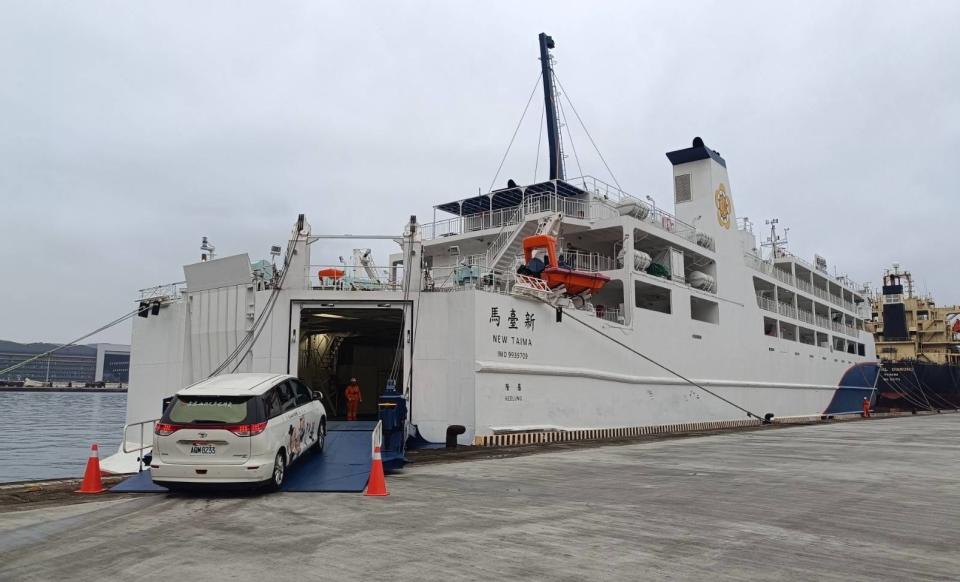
{"x":564,"y":376}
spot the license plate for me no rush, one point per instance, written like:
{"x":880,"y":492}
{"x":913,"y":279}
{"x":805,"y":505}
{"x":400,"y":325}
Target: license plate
{"x":203,"y":450}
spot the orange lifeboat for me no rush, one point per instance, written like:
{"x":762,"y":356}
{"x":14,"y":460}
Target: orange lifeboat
{"x":575,"y":282}
{"x":331,"y":273}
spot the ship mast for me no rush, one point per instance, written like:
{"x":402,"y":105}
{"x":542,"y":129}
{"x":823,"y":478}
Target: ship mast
{"x":775,"y":241}
{"x":550,"y":106}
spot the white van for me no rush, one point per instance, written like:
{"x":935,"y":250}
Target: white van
{"x":237,"y":428}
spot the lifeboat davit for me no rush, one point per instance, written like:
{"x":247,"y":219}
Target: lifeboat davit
{"x":575,"y":282}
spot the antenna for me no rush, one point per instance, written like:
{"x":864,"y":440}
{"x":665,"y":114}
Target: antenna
{"x":207,"y":250}
{"x":776,"y":242}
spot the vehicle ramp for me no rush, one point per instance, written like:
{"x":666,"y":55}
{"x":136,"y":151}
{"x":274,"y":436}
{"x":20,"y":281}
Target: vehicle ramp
{"x":344,"y":465}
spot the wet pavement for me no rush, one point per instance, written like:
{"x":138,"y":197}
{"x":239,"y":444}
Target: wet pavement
{"x":858,"y":500}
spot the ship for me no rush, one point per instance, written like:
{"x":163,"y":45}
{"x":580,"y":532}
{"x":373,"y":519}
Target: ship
{"x":918,"y":343}
{"x":559,"y":305}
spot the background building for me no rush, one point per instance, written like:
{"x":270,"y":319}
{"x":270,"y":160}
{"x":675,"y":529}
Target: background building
{"x":88,"y":363}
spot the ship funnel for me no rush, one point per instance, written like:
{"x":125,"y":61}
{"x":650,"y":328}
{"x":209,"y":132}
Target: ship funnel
{"x":702,"y":189}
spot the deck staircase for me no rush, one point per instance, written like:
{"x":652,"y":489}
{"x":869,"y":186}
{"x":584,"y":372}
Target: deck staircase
{"x":328,"y":361}
{"x":509,"y":243}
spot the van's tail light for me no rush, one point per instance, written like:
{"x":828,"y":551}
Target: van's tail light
{"x":165,"y":429}
{"x":246,"y":430}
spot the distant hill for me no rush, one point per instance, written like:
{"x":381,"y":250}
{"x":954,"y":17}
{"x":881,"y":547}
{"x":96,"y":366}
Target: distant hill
{"x":40,"y":347}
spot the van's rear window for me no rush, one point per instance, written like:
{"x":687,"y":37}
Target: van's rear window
{"x":211,"y":410}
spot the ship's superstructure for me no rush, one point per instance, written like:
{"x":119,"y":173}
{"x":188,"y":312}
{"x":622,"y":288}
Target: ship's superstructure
{"x":907,"y":326}
{"x":918,"y":343}
{"x":559,"y":305}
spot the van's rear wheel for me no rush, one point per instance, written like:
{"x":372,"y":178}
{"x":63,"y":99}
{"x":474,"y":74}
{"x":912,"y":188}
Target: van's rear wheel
{"x":279,"y":471}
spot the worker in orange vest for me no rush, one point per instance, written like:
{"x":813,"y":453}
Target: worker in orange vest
{"x":353,"y":399}
{"x":866,"y":407}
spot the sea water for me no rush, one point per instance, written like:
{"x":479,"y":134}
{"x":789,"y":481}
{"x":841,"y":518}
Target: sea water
{"x":47,"y":435}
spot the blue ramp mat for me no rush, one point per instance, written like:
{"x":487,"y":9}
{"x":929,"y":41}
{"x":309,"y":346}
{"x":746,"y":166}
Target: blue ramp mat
{"x":356,"y":425}
{"x":344,"y":465}
{"x":139,"y":483}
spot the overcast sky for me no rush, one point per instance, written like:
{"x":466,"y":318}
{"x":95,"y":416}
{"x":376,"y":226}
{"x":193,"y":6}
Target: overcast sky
{"x":129,"y":130}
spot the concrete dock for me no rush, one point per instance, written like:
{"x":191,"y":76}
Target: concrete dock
{"x":861,"y":500}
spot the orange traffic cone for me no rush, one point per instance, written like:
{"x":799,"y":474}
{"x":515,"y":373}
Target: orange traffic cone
{"x":377,"y":484}
{"x":91,"y":477}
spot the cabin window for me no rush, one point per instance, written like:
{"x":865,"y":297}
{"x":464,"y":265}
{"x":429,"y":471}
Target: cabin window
{"x":807,"y":336}
{"x":823,"y":340}
{"x":770,"y":327}
{"x":861,"y":350}
{"x":704,"y":310}
{"x":653,"y":297}
{"x":788,"y":331}
{"x":681,"y":188}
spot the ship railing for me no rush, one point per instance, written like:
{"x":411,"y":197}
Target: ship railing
{"x":842,"y":281}
{"x":757,"y":264}
{"x":787,"y":254}
{"x":806,"y":316}
{"x":783,"y":276}
{"x":586,"y":261}
{"x":504,"y":235}
{"x":787,"y":310}
{"x":143,"y":438}
{"x":465,"y":277}
{"x":471,"y":222}
{"x":836,"y":300}
{"x":441,"y":228}
{"x":479,"y":259}
{"x":805,"y":286}
{"x":609,"y":314}
{"x":510,"y":216}
{"x":766,"y":303}
{"x":602,"y":189}
{"x":610,"y":196}
{"x":494,"y":219}
{"x":599,"y":205}
{"x":821,"y":293}
{"x":602,"y":210}
{"x":351,"y":278}
{"x":823,"y":322}
{"x":670,"y":223}
{"x":568,"y":207}
{"x":162,"y":292}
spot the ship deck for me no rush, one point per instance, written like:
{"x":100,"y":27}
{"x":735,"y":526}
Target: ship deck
{"x":847,"y":501}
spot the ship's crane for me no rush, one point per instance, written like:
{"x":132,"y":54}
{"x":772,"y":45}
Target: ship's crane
{"x":362,"y":259}
{"x":550,"y":225}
